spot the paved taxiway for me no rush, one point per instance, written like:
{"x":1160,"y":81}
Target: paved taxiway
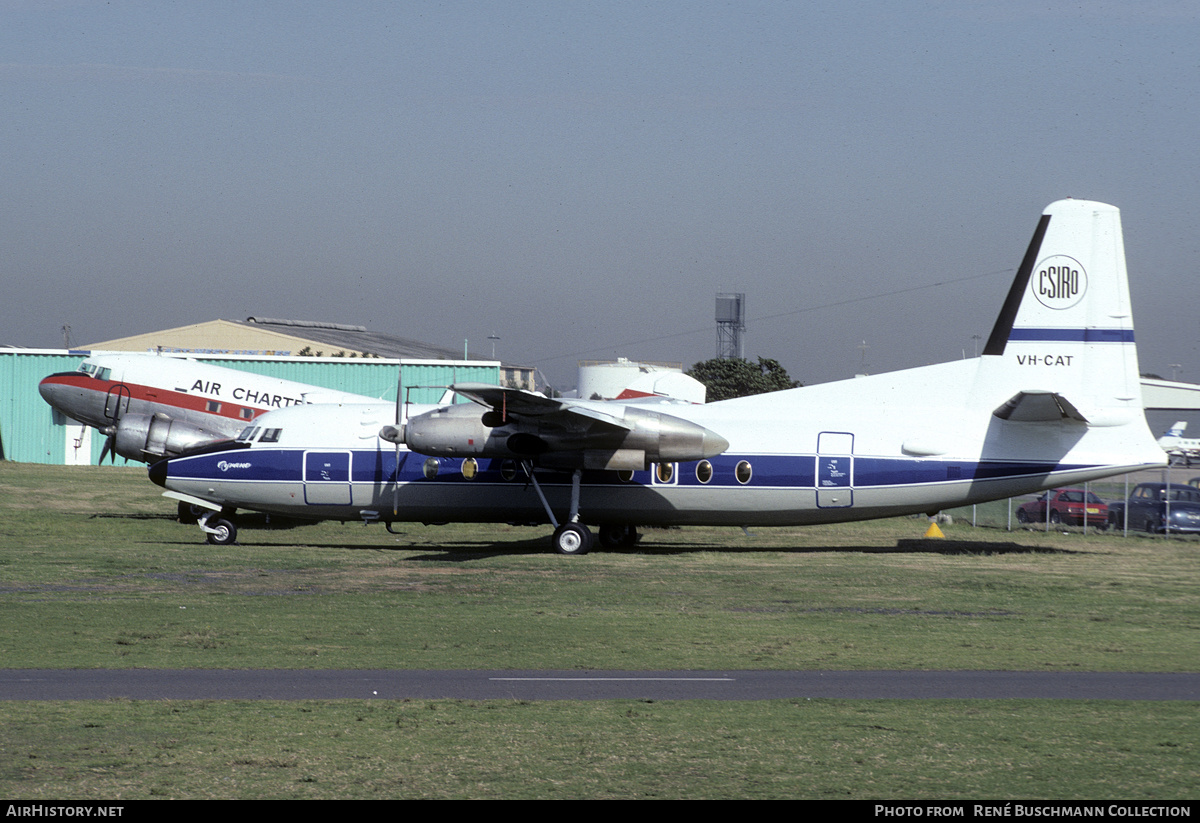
{"x":316,"y":684}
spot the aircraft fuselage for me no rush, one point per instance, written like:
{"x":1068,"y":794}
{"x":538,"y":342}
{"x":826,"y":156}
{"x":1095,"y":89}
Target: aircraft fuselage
{"x":791,"y":461}
{"x":155,"y":406}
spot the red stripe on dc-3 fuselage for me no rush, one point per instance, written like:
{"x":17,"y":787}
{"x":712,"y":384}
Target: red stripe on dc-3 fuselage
{"x":154,"y":394}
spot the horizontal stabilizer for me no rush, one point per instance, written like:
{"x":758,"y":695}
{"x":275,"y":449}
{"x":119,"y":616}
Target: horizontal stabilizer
{"x":1038,"y":407}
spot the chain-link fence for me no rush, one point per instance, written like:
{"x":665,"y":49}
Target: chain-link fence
{"x":1007,"y":514}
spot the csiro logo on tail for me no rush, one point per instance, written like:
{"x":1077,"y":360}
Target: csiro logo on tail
{"x":1059,"y":282}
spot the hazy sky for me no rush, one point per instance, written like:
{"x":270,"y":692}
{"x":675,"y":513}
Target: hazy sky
{"x":582,"y":178}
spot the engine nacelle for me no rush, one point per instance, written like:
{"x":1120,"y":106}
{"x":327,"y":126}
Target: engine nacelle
{"x":149,"y":437}
{"x":570,"y":439}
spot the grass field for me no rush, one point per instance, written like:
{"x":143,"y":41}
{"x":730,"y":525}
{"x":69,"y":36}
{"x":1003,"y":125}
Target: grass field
{"x":95,"y":573}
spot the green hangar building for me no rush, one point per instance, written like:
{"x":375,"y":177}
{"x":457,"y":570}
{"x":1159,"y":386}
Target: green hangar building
{"x":335,"y":356}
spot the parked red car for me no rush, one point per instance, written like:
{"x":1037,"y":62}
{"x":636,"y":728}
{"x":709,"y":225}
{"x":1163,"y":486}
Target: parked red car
{"x":1069,"y":506}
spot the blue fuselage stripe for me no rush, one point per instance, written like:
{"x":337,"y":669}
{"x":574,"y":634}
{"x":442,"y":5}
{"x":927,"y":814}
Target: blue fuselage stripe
{"x":778,"y":471}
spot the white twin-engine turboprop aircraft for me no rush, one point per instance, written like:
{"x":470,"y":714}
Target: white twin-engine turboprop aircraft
{"x":1054,"y":400}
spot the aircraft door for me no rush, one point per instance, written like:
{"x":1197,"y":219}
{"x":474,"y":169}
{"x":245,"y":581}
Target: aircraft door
{"x":327,"y":478}
{"x":835,"y":470}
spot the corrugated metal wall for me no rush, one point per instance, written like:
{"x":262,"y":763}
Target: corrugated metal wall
{"x":31,"y":432}
{"x":28,"y":432}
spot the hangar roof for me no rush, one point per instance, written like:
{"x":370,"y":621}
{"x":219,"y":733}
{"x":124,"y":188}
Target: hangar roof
{"x":353,"y":338}
{"x":272,"y":336}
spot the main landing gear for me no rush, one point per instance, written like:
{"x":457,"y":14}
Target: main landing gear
{"x":618,"y":536}
{"x":572,"y":537}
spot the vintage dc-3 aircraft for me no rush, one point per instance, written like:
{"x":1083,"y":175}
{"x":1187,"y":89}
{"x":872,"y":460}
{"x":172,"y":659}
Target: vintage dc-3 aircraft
{"x":1180,"y":449}
{"x":154,"y":406}
{"x":1054,"y":400}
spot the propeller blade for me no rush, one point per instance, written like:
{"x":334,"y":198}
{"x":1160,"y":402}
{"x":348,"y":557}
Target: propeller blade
{"x":108,"y":449}
{"x":396,"y":484}
{"x":396,"y":471}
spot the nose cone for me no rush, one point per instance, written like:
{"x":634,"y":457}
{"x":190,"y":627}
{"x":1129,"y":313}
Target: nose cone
{"x":158,"y":473}
{"x":60,"y":392}
{"x":50,"y":390}
{"x":70,"y":393}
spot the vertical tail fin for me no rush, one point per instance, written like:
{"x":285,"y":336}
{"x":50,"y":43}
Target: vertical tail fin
{"x":1066,"y":327}
{"x":1171,"y":437}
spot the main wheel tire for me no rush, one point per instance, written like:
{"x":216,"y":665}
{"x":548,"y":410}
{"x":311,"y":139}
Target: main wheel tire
{"x":224,"y":534}
{"x":618,"y":537}
{"x":572,"y":538}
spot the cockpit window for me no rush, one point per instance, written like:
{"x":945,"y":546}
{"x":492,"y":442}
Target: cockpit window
{"x":247,"y":434}
{"x":270,"y":436}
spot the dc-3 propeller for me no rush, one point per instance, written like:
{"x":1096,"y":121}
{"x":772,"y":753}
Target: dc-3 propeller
{"x":545,"y":433}
{"x":109,"y":450}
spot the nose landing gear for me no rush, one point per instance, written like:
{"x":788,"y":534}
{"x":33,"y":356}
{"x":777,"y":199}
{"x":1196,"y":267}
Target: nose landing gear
{"x":219,"y":529}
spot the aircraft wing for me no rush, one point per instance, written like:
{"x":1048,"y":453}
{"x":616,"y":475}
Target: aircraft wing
{"x":518,"y":401}
{"x":512,"y":403}
{"x":564,"y":433}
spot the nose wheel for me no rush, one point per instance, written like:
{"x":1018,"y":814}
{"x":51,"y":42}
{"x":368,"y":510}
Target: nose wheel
{"x":219,"y":530}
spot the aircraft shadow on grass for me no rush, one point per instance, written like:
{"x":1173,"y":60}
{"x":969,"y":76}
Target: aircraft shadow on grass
{"x":472,"y":550}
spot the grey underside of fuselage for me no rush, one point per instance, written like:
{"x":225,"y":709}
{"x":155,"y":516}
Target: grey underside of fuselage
{"x":636,"y":504}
